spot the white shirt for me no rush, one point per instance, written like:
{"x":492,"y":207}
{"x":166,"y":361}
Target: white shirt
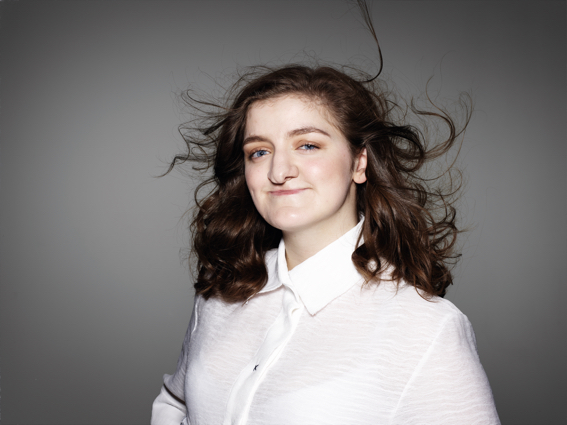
{"x":316,"y":346}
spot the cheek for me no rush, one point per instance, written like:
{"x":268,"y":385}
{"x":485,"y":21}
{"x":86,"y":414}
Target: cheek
{"x":249,"y":177}
{"x":253,"y":182}
{"x":335,"y":172}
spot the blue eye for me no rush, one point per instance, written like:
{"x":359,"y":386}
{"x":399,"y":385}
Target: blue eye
{"x":308,"y":147}
{"x":258,"y":153}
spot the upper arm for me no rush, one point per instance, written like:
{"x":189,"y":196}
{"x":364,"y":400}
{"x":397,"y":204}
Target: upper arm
{"x":176,"y":383}
{"x":449,"y":385}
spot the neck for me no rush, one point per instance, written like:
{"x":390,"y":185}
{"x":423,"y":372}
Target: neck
{"x":302,"y":244}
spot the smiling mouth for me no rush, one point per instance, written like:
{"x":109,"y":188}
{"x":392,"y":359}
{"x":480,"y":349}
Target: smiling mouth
{"x":286,"y":192}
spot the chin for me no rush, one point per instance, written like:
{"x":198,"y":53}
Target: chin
{"x":289,"y":222}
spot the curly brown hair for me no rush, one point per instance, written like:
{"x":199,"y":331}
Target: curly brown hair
{"x":409,"y":220}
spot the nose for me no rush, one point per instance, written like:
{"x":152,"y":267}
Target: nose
{"x":282,"y":168}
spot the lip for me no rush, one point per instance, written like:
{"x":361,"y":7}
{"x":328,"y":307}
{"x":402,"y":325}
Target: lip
{"x":285,"y":192}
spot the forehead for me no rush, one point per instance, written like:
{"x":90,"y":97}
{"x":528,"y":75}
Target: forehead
{"x":284,"y":112}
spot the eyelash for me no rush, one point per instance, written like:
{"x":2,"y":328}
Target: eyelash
{"x":311,"y":146}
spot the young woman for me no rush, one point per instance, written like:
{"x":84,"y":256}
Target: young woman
{"x":323,"y":260}
{"x":322,"y":255}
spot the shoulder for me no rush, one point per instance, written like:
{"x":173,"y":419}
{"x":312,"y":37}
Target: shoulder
{"x":432,"y":309}
{"x":423,"y":319}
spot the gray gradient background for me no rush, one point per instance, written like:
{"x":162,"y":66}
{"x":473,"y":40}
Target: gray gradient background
{"x":94,"y":299}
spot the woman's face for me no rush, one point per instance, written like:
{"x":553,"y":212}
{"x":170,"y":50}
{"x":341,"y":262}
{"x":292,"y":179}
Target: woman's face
{"x":299,"y":168}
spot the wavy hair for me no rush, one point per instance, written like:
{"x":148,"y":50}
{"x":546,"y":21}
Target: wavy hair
{"x":410,"y":220}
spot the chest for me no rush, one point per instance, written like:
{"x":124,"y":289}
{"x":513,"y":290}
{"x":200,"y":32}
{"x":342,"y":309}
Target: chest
{"x":343,"y":363}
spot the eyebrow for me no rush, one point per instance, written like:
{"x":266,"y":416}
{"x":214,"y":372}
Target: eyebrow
{"x":290,"y":134}
{"x":306,"y":130}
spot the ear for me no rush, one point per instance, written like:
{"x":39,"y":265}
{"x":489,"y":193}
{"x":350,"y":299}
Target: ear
{"x":359,"y":174}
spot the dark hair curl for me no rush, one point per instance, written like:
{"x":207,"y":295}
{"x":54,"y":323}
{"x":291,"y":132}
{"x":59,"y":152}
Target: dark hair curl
{"x":410,"y":220}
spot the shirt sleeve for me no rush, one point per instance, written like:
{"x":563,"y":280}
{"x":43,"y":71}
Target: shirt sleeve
{"x":449,"y":385}
{"x":169,"y":406}
{"x":167,"y":410}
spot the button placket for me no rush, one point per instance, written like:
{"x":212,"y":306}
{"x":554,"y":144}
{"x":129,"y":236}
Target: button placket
{"x":251,"y":376}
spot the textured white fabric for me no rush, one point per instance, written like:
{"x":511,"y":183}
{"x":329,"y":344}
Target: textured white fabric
{"x":315,"y":346}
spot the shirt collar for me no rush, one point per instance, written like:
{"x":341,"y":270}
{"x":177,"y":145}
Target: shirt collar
{"x":321,"y":278}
